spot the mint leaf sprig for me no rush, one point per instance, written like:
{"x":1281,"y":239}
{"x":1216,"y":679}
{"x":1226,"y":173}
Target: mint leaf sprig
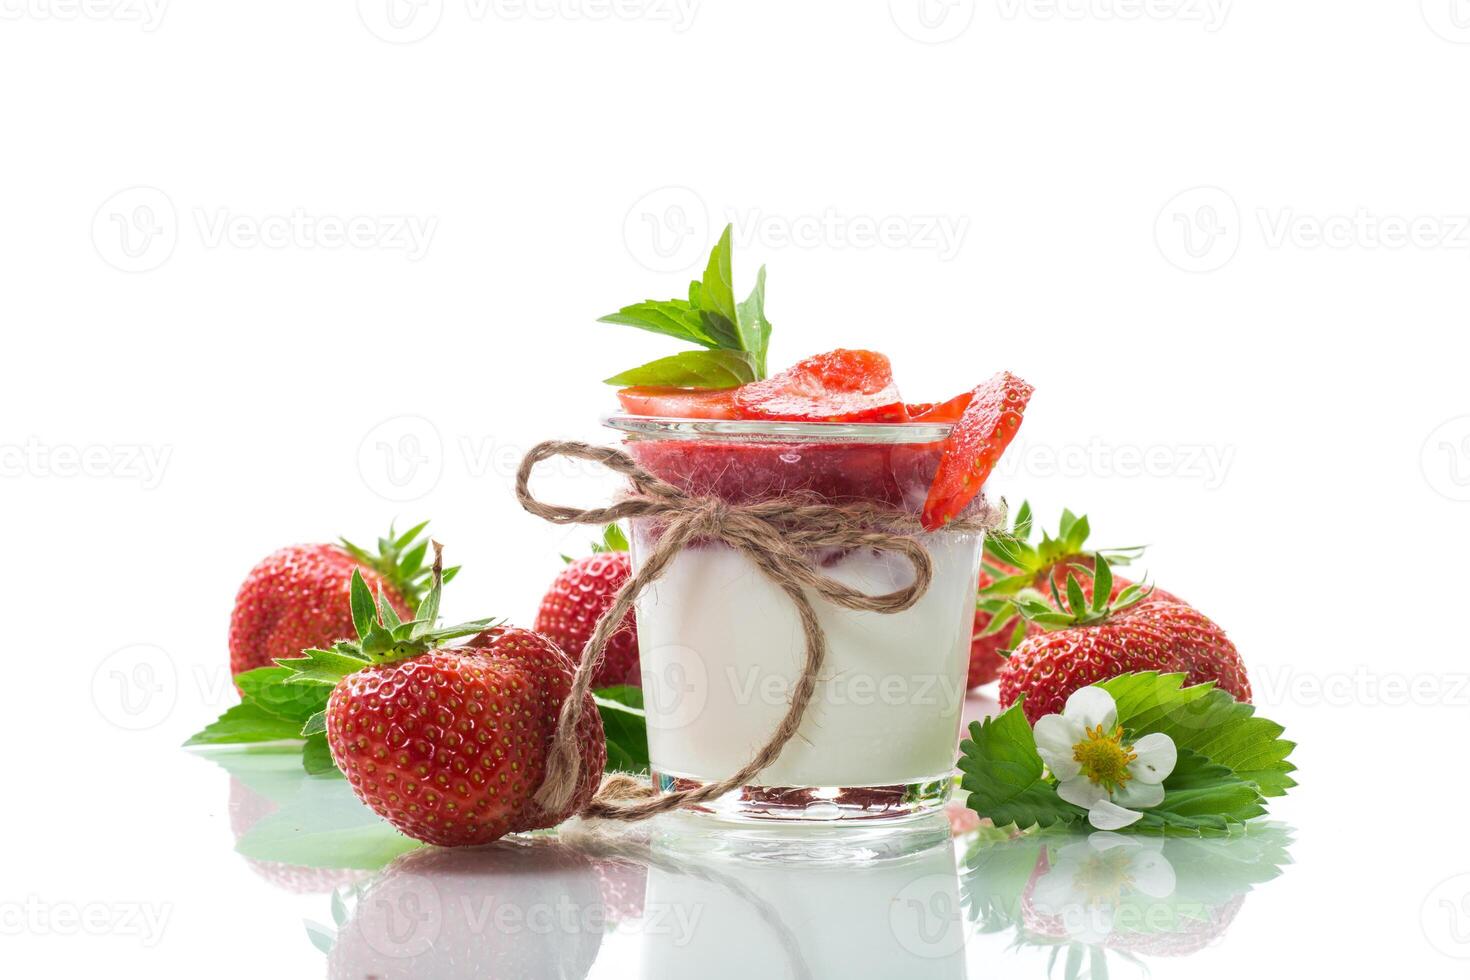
{"x":1230,"y":761}
{"x":735,"y":336}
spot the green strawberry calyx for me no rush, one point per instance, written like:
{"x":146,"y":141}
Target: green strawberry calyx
{"x":399,"y":560}
{"x":1016,"y":564}
{"x":382,"y":638}
{"x":1071,"y":607}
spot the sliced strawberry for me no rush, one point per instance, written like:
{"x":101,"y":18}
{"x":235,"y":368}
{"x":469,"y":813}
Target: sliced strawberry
{"x":974,"y":446}
{"x":679,"y":403}
{"x":949,"y":411}
{"x":840,"y":386}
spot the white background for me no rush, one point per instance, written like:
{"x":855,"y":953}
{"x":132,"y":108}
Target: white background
{"x":1230,"y":241}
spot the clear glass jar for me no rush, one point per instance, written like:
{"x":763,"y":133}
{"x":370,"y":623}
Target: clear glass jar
{"x":721,"y":646}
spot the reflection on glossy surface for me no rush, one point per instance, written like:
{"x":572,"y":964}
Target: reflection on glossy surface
{"x":608,"y":904}
{"x":302,"y":833}
{"x":518,"y":909}
{"x":731,"y":918}
{"x":1088,"y":899}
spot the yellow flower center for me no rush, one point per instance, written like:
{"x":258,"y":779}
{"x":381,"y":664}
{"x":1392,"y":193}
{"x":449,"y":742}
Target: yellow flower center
{"x":1104,"y":758}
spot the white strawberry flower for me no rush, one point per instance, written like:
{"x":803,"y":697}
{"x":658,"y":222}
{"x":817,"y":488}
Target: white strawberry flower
{"x":1084,"y":749}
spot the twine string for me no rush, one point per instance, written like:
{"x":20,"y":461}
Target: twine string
{"x":776,"y":536}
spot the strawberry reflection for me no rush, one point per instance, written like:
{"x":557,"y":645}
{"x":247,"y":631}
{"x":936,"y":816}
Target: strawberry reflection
{"x":516,"y":908}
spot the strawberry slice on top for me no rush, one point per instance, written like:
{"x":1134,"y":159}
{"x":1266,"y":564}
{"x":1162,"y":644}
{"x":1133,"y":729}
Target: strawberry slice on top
{"x":839,"y":386}
{"x":679,"y":403}
{"x":974,"y":446}
{"x":949,"y":411}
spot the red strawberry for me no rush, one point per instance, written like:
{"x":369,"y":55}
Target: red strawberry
{"x":974,"y":446}
{"x":578,"y":597}
{"x":297,"y":597}
{"x":450,"y":746}
{"x":679,"y":403}
{"x":839,"y":386}
{"x":1013,"y":564}
{"x":1094,"y":641}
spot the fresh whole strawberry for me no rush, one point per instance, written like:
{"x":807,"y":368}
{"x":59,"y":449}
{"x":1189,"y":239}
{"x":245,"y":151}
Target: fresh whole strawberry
{"x":450,"y":746}
{"x":1094,"y":640}
{"x":1014,"y":564}
{"x":447,"y":743}
{"x":298,"y":597}
{"x":578,"y":597}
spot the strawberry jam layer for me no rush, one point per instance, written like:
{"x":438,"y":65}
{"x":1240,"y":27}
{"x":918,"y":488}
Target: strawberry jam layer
{"x":896,"y":476}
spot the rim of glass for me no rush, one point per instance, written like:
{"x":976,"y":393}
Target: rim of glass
{"x":746,"y":430}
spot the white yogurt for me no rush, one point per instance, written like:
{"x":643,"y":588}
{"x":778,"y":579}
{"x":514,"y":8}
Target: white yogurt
{"x":721,"y":648}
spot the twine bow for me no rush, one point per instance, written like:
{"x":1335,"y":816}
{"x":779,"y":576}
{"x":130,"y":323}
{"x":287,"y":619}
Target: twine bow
{"x":775,"y":535}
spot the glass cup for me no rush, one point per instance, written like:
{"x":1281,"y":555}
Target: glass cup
{"x":721,"y":646}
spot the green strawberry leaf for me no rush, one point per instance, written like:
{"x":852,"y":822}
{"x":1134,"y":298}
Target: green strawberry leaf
{"x":324,"y":666}
{"x":270,"y":688}
{"x":613,"y":539}
{"x":1202,"y":797}
{"x":1208,"y":721}
{"x":316,"y":757}
{"x":625,"y":727}
{"x":245,"y":722}
{"x":315,"y":725}
{"x":364,"y":615}
{"x":1005,"y":777}
{"x":692,"y":369}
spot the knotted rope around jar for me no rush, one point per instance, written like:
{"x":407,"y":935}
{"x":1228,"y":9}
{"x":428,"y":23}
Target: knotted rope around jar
{"x":775,"y":535}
